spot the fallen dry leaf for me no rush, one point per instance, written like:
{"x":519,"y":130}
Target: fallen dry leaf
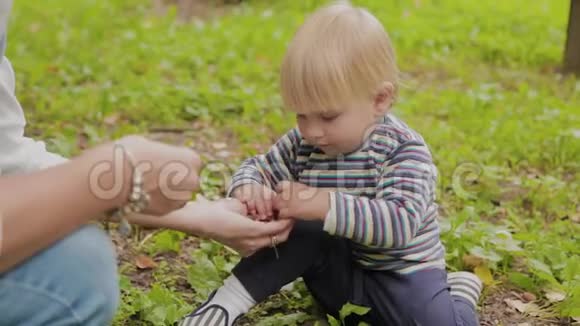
{"x":52,"y":68}
{"x":528,"y":296}
{"x":34,"y":27}
{"x":484,"y":275}
{"x":516,"y":304}
{"x":472,"y":261}
{"x":111,"y":119}
{"x":263,"y":59}
{"x":555,"y":295}
{"x":223,"y":154}
{"x":219,"y":146}
{"x":501,"y":213}
{"x":82,"y":140}
{"x":145,"y":262}
{"x":530,"y":308}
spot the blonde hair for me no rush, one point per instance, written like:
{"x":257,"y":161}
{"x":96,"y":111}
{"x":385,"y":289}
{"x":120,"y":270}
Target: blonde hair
{"x":341,"y":54}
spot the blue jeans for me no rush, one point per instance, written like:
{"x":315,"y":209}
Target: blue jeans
{"x":73,"y":282}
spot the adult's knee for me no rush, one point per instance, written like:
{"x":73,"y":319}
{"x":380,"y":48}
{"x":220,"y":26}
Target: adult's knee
{"x":74,"y":280}
{"x":96,"y":267}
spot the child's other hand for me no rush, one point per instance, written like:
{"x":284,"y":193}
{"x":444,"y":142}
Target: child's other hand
{"x":296,"y":200}
{"x":258,"y":200}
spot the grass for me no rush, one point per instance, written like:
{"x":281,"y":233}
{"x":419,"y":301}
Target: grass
{"x":481,"y":83}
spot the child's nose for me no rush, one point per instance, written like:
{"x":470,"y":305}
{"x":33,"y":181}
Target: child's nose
{"x":314,"y":133}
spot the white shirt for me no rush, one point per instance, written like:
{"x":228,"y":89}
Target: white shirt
{"x":18,"y":153}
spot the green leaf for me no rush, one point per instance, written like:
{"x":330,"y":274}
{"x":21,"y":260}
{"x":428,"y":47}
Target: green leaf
{"x":125,"y":283}
{"x":521,"y":280}
{"x":203,"y":275}
{"x":571,"y":270}
{"x":487,"y":254}
{"x":542,"y":271}
{"x":157,"y":316}
{"x":332,"y":321}
{"x":349,"y":309}
{"x":166,"y":240}
{"x":162,"y":306}
{"x":505,"y":242}
{"x":292,"y":319}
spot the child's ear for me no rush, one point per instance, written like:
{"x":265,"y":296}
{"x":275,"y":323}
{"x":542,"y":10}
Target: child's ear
{"x":384,"y":98}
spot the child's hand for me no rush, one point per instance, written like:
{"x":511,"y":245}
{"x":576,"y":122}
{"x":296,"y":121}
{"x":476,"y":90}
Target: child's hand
{"x":258,"y":200}
{"x":296,"y":200}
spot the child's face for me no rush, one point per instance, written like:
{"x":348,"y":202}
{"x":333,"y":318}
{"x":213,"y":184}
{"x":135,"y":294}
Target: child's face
{"x":336,"y":133}
{"x":344,"y":131}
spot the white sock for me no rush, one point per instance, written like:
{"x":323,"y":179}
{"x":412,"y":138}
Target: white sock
{"x":465,"y":285}
{"x":234,"y":297}
{"x":223,"y":307}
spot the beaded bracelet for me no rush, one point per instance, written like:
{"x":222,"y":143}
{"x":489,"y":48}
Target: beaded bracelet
{"x":138,"y":198}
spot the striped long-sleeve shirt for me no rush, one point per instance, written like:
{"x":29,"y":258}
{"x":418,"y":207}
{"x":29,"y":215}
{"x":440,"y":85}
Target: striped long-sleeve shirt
{"x":382,"y":198}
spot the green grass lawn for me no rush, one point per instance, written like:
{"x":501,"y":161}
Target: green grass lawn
{"x":481,"y":83}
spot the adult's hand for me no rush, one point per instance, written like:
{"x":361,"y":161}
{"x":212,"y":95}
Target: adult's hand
{"x":225,"y":221}
{"x":170,"y":173}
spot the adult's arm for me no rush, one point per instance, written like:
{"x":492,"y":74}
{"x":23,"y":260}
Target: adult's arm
{"x":224,"y":221}
{"x":38,"y":208}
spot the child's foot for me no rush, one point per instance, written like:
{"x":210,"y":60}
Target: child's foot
{"x":223,"y":307}
{"x":208,"y":315}
{"x":465,"y":285}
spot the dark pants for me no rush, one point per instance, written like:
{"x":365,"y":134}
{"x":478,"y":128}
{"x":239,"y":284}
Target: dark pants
{"x":325,"y":263}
